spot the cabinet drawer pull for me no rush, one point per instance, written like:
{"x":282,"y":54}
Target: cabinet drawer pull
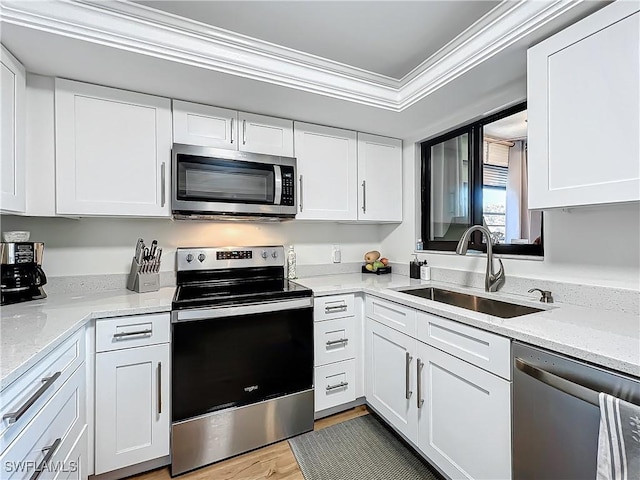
{"x":407,"y":379}
{"x":420,"y":400}
{"x":159,"y":388}
{"x":337,"y":385}
{"x":244,"y":132}
{"x":50,"y":451}
{"x":337,"y":342}
{"x":120,"y":335}
{"x":13,"y":417}
{"x":335,"y":308}
{"x":231,"y":130}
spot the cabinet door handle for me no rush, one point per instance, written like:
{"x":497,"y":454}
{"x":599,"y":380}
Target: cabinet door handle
{"x":159,"y":388}
{"x":13,"y":417}
{"x":335,"y":308}
{"x":300,"y":193}
{"x":337,"y":385}
{"x":364,"y":196}
{"x":231,"y":131}
{"x":244,"y":132}
{"x":50,"y":451}
{"x":120,"y":335}
{"x":163,"y":188}
{"x":337,"y":342}
{"x":407,"y":392}
{"x":420,"y":400}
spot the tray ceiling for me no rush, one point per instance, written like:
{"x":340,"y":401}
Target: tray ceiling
{"x":390,"y":38}
{"x":134,"y":47}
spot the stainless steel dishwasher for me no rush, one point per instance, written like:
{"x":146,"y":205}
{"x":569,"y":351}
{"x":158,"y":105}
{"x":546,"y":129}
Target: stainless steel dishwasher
{"x":556,"y":416}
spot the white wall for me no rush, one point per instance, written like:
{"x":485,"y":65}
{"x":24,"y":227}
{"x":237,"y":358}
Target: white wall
{"x":589,"y":245}
{"x":105,"y":245}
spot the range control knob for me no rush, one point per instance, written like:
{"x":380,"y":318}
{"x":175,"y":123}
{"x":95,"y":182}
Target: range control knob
{"x":274,"y":254}
{"x":189,"y":258}
{"x":264,"y":254}
{"x":201,"y":257}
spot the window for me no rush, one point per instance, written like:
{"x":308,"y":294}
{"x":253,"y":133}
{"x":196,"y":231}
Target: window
{"x":476,"y":175}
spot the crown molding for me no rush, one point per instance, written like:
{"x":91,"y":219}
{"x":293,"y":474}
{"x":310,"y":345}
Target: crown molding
{"x":136,"y":28}
{"x":500,"y":28}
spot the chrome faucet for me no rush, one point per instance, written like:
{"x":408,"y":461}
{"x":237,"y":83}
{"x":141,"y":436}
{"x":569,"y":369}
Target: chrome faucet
{"x":492,"y":281}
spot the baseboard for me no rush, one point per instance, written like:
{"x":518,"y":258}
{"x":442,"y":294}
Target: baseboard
{"x":133,"y":469}
{"x":340,"y":408}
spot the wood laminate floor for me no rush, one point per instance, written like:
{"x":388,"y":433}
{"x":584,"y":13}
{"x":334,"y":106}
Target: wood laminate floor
{"x":275,"y":462}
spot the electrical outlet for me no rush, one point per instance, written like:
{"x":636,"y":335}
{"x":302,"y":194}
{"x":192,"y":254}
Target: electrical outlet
{"x":336,"y":254}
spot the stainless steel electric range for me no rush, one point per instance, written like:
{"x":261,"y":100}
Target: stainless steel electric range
{"x":242,"y":354}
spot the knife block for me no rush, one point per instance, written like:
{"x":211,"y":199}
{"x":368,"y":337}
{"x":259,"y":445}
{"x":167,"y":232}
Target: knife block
{"x":142,"y":282}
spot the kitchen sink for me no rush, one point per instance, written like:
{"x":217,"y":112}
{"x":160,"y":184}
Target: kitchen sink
{"x":489,"y":306}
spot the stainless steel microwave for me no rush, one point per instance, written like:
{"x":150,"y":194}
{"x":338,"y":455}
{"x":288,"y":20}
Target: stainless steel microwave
{"x":212,"y":182}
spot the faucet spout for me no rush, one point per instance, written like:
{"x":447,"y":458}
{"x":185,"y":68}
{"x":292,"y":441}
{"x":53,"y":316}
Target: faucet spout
{"x":492,"y":280}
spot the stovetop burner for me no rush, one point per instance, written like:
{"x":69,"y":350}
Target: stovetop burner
{"x":212,"y":277}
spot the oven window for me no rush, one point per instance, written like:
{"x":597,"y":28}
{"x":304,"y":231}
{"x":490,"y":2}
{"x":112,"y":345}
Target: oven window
{"x":217,"y":180}
{"x":235,"y":361}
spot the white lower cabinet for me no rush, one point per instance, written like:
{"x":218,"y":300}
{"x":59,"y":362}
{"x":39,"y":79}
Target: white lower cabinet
{"x":390,"y":379}
{"x":75,"y":464}
{"x":464,"y":421}
{"x":132,"y":402}
{"x":54,"y":437}
{"x":456,"y":413}
{"x":337,"y":359}
{"x":335,"y":384}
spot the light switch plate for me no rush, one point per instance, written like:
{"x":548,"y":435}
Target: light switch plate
{"x":336,"y":254}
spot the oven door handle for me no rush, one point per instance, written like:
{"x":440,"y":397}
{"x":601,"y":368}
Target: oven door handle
{"x":234,"y":311}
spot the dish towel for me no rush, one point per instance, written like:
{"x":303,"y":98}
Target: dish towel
{"x":619,"y":439}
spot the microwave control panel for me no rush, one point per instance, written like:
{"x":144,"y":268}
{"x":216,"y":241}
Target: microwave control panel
{"x":288,"y":191}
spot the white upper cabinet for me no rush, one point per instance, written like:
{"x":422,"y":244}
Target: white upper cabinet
{"x":195,"y":124}
{"x":584,"y":112}
{"x":268,"y":135}
{"x":113,"y":151}
{"x":379,"y":178}
{"x":327,"y":173}
{"x":12,"y":131}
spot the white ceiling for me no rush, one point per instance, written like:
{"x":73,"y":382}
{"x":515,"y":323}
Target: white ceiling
{"x":512,"y":127}
{"x":386,"y":37}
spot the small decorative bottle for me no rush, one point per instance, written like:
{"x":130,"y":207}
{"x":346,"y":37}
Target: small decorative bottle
{"x":291,"y":263}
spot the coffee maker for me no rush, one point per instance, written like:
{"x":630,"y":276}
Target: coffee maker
{"x":22,"y":274}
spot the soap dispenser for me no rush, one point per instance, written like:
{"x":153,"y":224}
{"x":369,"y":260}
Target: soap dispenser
{"x":414,"y":268}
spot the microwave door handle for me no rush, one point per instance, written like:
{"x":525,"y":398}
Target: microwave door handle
{"x":277,"y":194}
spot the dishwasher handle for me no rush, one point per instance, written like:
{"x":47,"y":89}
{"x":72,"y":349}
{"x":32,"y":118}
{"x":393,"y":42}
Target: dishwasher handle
{"x":559,"y":383}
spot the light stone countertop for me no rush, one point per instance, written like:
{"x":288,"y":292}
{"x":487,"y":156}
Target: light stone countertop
{"x":29,"y":331}
{"x":600,"y":337}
